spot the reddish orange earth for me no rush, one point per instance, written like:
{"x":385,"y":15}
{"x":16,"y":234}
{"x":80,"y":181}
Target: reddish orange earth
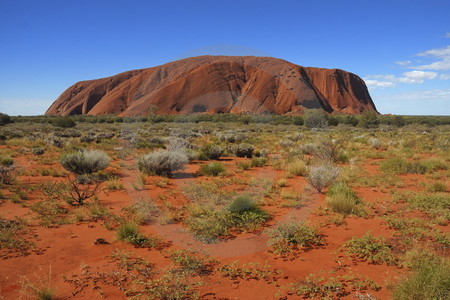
{"x":67,"y":258}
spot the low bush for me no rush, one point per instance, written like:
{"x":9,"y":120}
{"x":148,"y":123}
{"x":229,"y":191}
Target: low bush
{"x":78,"y":189}
{"x":213,"y":151}
{"x":399,"y":165}
{"x":230,"y":137}
{"x":375,"y":143}
{"x":207,"y":224}
{"x":369,"y":119}
{"x":141,"y":211}
{"x":38,"y":151}
{"x":369,"y":248}
{"x":244,"y":165}
{"x":316,"y":118}
{"x":129,"y":232}
{"x":434,"y":203}
{"x":258,"y":161}
{"x":327,"y":151}
{"x":429,"y":279}
{"x":242,"y":204}
{"x":64,"y":122}
{"x":212,"y":169}
{"x":297,"y":167}
{"x":437,"y":187}
{"x":4,"y":119}
{"x":85,"y":161}
{"x":162,"y":163}
{"x":243,"y":214}
{"x":192,"y":262}
{"x":290,"y":236}
{"x":12,"y":236}
{"x":342,"y":199}
{"x":323,"y":176}
{"x":243,"y":150}
{"x":6,"y":170}
{"x":6,"y":161}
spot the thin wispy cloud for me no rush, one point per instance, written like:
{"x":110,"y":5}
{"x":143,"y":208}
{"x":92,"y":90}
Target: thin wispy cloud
{"x":429,"y":95}
{"x":442,"y":57}
{"x":403,"y":63}
{"x":438,"y":60}
{"x":389,"y":80}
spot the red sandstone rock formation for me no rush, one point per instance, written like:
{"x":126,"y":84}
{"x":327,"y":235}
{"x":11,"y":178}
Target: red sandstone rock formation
{"x":217,"y":84}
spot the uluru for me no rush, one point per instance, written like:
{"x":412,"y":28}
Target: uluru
{"x":218,"y":84}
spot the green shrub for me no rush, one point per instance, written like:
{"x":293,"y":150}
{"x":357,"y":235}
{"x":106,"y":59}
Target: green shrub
{"x":212,"y":151}
{"x":372,"y":249}
{"x":212,"y":169}
{"x":64,"y":122}
{"x":6,"y":168}
{"x":244,"y":165}
{"x":6,"y":161}
{"x":399,"y":165}
{"x":347,"y":119}
{"x":430,"y":278}
{"x":85,"y":161}
{"x":4,"y":119}
{"x":242,"y":213}
{"x":437,"y":187}
{"x":258,"y":161}
{"x":208,"y":224}
{"x":434,"y":164}
{"x":290,"y":236}
{"x":316,"y":118}
{"x":163,"y":162}
{"x":45,"y":293}
{"x":297,"y":167}
{"x":38,"y":151}
{"x":323,"y":176}
{"x":192,"y":262}
{"x":369,"y":119}
{"x":243,"y":150}
{"x":129,"y":232}
{"x":243,"y":203}
{"x":437,"y":203}
{"x":246,"y":213}
{"x":342,"y":199}
{"x":12,"y":236}
{"x":396,"y":165}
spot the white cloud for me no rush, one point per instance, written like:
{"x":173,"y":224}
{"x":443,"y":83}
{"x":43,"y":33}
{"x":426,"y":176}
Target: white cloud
{"x":389,"y":80}
{"x":436,"y":94}
{"x":444,"y":76}
{"x":442,"y":55}
{"x":447,"y":35}
{"x":417,"y":76}
{"x":373,"y":84}
{"x":403,"y":62}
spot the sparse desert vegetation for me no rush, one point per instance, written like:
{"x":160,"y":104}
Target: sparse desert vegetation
{"x":215,"y":206}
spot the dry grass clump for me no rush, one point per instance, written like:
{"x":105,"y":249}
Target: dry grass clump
{"x":322,"y":176}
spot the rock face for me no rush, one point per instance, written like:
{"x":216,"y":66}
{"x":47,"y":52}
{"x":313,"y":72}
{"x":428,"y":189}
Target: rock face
{"x":217,"y":84}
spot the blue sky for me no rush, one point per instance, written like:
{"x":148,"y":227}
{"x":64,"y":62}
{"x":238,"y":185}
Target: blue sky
{"x":400,"y":48}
